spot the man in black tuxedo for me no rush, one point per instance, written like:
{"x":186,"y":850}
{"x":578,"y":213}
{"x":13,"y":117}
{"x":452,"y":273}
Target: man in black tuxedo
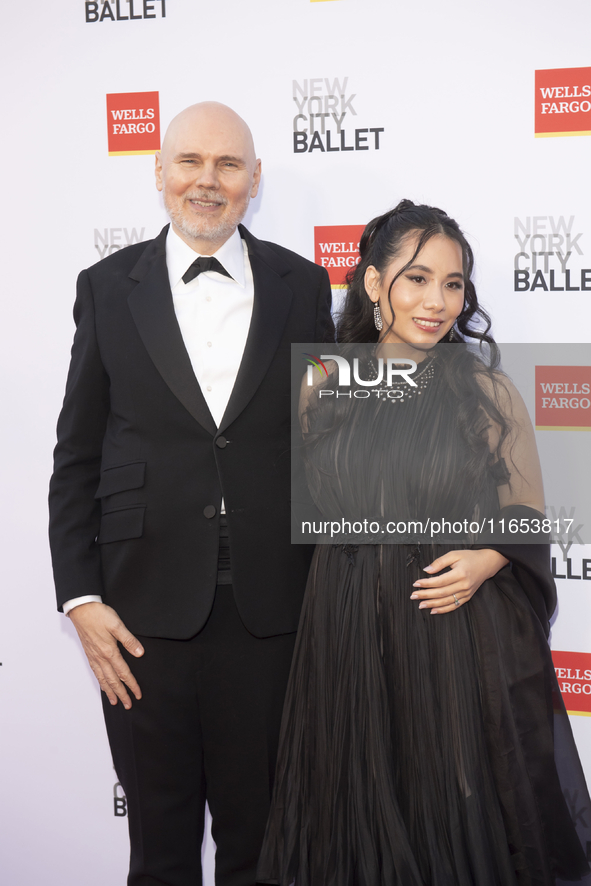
{"x":170,"y":514}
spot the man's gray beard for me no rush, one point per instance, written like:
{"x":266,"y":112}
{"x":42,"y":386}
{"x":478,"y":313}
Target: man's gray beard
{"x":202,"y":229}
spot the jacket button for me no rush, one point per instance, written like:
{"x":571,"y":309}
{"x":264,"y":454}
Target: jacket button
{"x":209,"y":512}
{"x":221,"y":442}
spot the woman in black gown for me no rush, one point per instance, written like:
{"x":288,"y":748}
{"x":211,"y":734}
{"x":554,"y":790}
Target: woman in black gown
{"x":424,"y":741}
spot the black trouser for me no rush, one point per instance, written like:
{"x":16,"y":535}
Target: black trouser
{"x":206,"y":728}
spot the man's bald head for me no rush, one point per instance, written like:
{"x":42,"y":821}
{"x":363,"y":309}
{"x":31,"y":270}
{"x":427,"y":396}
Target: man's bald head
{"x":208,"y":171}
{"x":212,"y":117}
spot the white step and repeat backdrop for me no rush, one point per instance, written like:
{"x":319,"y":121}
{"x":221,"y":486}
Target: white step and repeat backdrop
{"x":481,"y":109}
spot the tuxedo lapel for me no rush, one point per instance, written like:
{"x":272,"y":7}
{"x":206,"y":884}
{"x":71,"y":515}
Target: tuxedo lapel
{"x":272,"y":303}
{"x":152,"y":309}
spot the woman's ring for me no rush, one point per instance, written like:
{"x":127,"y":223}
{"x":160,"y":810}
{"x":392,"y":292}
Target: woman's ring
{"x":456,"y":599}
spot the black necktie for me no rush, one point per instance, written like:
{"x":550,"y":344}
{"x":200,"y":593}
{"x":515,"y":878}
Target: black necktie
{"x":204,"y":263}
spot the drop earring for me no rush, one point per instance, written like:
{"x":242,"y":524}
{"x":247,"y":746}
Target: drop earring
{"x":377,"y":317}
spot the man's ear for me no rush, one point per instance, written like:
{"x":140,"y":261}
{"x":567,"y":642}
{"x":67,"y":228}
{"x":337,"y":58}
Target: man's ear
{"x":158,"y":170}
{"x":256,"y":179}
{"x":372,"y":282}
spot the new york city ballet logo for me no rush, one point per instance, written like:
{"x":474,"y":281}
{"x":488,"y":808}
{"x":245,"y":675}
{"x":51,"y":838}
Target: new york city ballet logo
{"x":110,"y":240}
{"x":550,"y":256}
{"x":573,"y":568}
{"x":123,"y":10}
{"x":119,"y":801}
{"x":133,"y":123}
{"x":563,"y":102}
{"x":323,"y":119}
{"x":563,"y":398}
{"x":336,"y":248}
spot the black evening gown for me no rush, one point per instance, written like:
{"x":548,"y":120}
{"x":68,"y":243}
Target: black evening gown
{"x":420,"y":750}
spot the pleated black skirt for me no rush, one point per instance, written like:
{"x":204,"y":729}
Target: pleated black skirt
{"x":419,"y":749}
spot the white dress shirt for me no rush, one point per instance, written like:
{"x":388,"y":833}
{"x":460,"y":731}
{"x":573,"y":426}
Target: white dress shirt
{"x":214,"y":314}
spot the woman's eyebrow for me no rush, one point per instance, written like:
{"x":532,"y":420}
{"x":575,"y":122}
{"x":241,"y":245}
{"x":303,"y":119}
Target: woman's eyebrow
{"x":429,"y":271}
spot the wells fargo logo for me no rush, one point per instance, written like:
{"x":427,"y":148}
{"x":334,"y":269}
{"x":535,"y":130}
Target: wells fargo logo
{"x":573,"y":671}
{"x":133,"y":123}
{"x":563,"y":102}
{"x":336,"y":248}
{"x":563,"y":398}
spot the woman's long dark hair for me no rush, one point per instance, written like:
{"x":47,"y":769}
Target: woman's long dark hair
{"x":478,"y":403}
{"x":380,"y":244}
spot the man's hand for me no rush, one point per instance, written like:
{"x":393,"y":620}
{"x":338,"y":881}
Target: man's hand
{"x":99,"y":628}
{"x":469,"y":569}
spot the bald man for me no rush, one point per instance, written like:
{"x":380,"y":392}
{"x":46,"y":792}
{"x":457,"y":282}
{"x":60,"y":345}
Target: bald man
{"x":170,"y":514}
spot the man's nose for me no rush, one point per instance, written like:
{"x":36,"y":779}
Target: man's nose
{"x":207,"y":176}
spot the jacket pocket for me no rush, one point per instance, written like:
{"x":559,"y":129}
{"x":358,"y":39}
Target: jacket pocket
{"x":121,"y":478}
{"x":122,"y":524}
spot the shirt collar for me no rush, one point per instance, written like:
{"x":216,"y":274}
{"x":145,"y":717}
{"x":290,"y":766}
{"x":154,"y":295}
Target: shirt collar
{"x":180,"y":256}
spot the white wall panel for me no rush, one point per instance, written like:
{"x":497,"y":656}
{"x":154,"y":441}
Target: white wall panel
{"x":452,"y":85}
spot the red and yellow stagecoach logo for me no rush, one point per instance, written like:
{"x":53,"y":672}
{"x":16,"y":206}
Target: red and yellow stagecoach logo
{"x":133,"y":123}
{"x":573,"y":671}
{"x":563,"y":102}
{"x":336,"y":248}
{"x":563,"y":398}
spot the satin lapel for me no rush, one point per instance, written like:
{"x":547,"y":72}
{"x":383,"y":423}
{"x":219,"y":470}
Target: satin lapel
{"x":152,"y":309}
{"x":272,"y":303}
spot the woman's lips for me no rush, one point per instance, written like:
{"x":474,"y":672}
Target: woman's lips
{"x":427,"y":325}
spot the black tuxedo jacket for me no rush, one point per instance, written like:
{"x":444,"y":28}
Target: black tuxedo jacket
{"x":140,"y":467}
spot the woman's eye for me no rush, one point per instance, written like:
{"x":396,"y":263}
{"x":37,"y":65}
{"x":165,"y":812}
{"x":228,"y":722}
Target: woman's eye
{"x":416,"y":278}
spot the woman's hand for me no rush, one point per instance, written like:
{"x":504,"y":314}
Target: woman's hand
{"x":469,"y":569}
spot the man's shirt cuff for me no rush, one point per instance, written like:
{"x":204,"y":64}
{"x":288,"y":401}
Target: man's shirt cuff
{"x":78,"y":601}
